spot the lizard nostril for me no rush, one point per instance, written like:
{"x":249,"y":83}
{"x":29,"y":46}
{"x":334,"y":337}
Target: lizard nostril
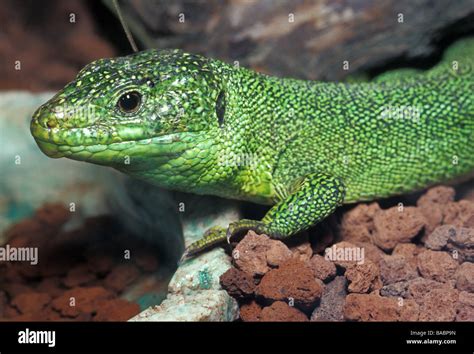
{"x":51,"y":123}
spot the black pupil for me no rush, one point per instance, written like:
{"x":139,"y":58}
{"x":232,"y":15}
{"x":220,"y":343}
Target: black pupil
{"x":129,"y":102}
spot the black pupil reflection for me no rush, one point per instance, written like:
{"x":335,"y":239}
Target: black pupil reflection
{"x":130,"y":102}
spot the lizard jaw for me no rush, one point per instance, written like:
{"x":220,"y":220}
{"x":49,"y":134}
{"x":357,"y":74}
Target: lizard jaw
{"x":69,"y":144}
{"x":159,"y":148}
{"x":103,"y":145}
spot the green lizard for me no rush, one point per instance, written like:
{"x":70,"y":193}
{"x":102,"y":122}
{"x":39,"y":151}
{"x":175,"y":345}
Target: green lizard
{"x":189,"y":123}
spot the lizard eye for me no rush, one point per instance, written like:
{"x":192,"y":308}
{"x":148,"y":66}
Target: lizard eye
{"x":129,"y":102}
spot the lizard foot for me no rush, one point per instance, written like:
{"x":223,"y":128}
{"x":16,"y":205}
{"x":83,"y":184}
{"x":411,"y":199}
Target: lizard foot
{"x":212,"y":236}
{"x":239,"y":227}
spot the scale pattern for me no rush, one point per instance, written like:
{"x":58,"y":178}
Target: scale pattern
{"x":207,"y":127}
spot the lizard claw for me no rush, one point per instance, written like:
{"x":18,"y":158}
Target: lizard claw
{"x":243,"y":225}
{"x":183,"y":258}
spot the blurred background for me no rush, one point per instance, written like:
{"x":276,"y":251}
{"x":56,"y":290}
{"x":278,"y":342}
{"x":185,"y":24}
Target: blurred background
{"x":309,"y":39}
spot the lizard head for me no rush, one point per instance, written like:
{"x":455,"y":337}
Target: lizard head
{"x":133,"y":112}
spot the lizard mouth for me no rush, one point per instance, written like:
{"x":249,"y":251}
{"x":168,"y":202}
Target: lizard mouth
{"x":81,"y":144}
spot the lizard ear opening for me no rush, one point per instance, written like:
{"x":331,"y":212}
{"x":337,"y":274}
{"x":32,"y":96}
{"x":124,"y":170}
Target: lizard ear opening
{"x":220,"y":108}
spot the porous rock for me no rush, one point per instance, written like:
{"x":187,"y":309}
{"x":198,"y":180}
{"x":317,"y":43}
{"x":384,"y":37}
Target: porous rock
{"x":465,"y":277}
{"x":293,"y":281}
{"x":250,"y":312}
{"x":431,"y":205}
{"x":396,"y":268}
{"x":439,"y":304}
{"x":437,"y":265}
{"x":237,"y":283}
{"x":465,"y":307}
{"x":395,"y":225}
{"x":322,"y":268}
{"x":331,"y":307}
{"x":280,"y":311}
{"x":373,"y":307}
{"x":256,"y":254}
{"x":357,"y":224}
{"x":363,"y":278}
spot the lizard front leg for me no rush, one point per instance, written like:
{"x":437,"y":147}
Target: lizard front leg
{"x":311,"y":199}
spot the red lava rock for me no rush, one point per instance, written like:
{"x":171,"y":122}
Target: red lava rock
{"x":469,"y":223}
{"x":371,"y":251}
{"x":53,"y":214}
{"x":372,"y":307}
{"x":14,"y":289}
{"x":20,"y":234}
{"x":363,"y":278}
{"x":331,"y":307}
{"x":465,"y":307}
{"x":432,"y":203}
{"x":100,"y":264}
{"x":393,"y":226}
{"x":3,"y":302}
{"x":10,"y":273}
{"x":396,"y":268}
{"x":302,"y":251}
{"x":277,"y":254}
{"x":438,"y":239}
{"x":256,"y":253}
{"x":31,"y":302}
{"x":437,"y":195}
{"x":116,"y":310}
{"x":29,"y":271}
{"x":459,"y":213}
{"x":409,"y":251}
{"x":250,"y":312}
{"x":75,"y":301}
{"x":461,"y":244}
{"x":121,"y":276}
{"x":418,"y":288}
{"x":51,"y":286}
{"x":79,"y":275}
{"x":357,"y":224}
{"x":45,"y":314}
{"x":344,"y":254}
{"x":279,"y":311}
{"x":465,"y":277}
{"x":415,"y":288}
{"x":322,"y":268}
{"x":437,"y":265}
{"x":31,"y":288}
{"x":439,"y":305}
{"x":55,"y":262}
{"x":19,"y":241}
{"x":10,"y":312}
{"x":292,"y":281}
{"x":237,"y":283}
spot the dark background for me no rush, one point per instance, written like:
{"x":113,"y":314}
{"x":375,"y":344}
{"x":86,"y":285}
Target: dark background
{"x":258,"y":34}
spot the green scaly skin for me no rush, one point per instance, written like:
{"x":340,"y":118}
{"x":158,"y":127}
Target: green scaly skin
{"x":207,"y":127}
